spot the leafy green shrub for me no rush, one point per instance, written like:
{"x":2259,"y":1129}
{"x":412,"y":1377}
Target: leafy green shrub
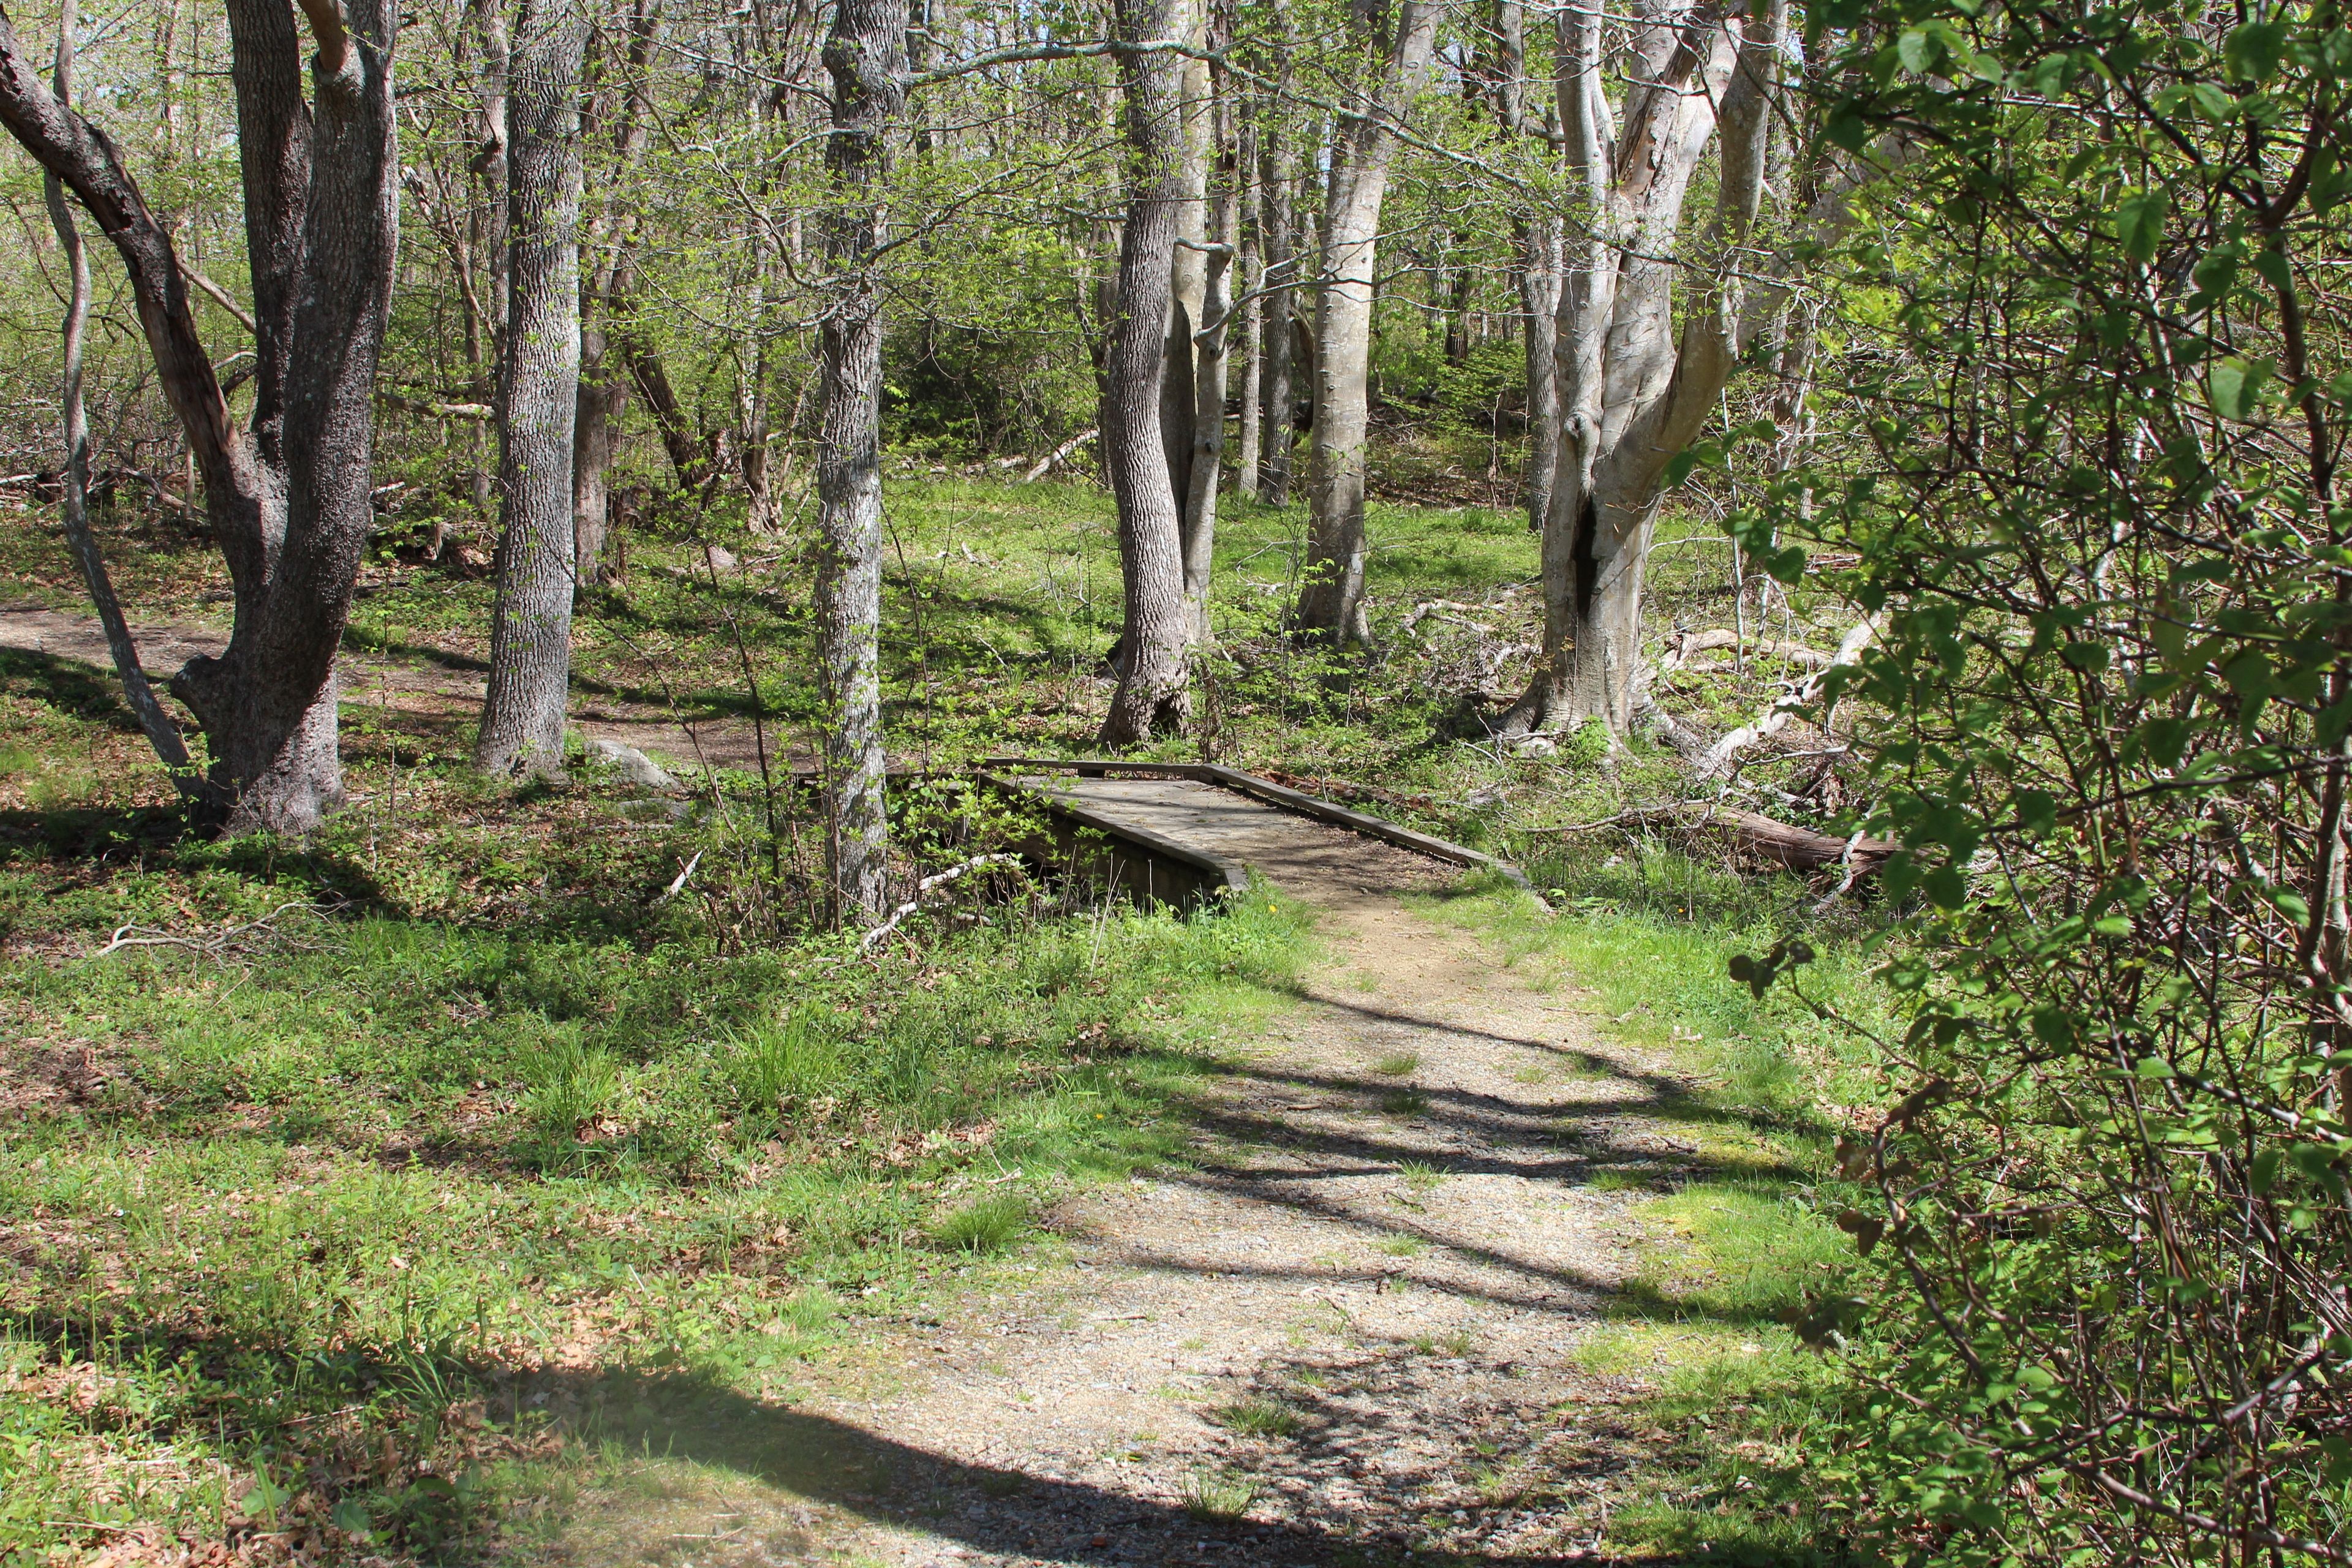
{"x":2093,"y":378}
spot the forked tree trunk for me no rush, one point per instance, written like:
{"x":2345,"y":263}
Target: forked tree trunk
{"x":290,"y":501}
{"x":864,"y":54}
{"x":1630,"y":394}
{"x":1331,"y":602}
{"x":1152,"y":694}
{"x":539,"y":401}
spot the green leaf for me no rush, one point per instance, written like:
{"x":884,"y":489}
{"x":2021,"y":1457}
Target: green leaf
{"x":2236,"y":386}
{"x":2139,"y":222}
{"x":2251,"y":52}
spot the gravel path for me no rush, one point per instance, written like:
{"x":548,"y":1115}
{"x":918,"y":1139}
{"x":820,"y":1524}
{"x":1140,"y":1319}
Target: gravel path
{"x":1346,"y":1327}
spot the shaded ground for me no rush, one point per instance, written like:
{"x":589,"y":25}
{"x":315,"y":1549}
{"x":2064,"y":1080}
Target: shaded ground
{"x":1347,"y":1327}
{"x":436,"y":691}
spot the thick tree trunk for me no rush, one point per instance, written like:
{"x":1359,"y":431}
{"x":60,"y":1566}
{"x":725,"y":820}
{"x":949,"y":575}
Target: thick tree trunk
{"x":1631,"y":393}
{"x":539,"y":400}
{"x":1331,"y":604}
{"x":864,"y":54}
{"x":1152,"y":694}
{"x":1277,"y":395}
{"x":292,"y":510}
{"x":74,"y":505}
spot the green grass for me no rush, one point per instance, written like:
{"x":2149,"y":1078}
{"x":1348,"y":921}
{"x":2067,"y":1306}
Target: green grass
{"x":481,"y":1119}
{"x":348,"y":1223}
{"x":1257,"y":1416}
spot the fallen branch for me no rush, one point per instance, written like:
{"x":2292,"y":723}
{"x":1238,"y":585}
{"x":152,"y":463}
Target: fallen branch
{"x":1773,"y":719}
{"x":228,"y":939}
{"x":478,"y":411}
{"x":676,"y":883}
{"x":865,"y":943}
{"x":1785,"y":844}
{"x":1060,"y":454}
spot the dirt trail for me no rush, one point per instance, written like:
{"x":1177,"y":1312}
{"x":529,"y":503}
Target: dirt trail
{"x":1354,"y":1313}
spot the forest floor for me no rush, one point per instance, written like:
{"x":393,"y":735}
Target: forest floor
{"x":1360,"y":1316}
{"x":448,"y":1187}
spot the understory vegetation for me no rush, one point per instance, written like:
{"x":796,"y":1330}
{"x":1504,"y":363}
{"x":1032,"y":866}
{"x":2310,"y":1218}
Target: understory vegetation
{"x":357,"y":1205}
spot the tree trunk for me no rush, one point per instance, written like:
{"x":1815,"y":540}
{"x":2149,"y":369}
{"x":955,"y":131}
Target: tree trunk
{"x":489,"y":163}
{"x":74,"y":505}
{"x":1276,"y":393}
{"x":539,"y":400}
{"x":1331,"y":604}
{"x":1249,"y":275}
{"x":604,"y":397}
{"x":1538,"y":286}
{"x":1199,"y":525}
{"x":609,"y":237}
{"x":1152,"y":694}
{"x":863,"y":55}
{"x":291,"y":510}
{"x":1630,"y":394}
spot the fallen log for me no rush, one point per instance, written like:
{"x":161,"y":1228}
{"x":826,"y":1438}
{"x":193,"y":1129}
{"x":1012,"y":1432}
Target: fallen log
{"x":1785,"y":844}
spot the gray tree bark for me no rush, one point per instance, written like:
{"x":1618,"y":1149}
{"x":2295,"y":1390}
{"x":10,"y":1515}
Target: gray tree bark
{"x":1631,"y":394}
{"x":1537,"y":274}
{"x":1249,"y":272}
{"x":608,"y":242}
{"x":1153,"y":692}
{"x":1331,"y":602}
{"x":539,"y":400}
{"x":1277,"y":392}
{"x":865,"y":55}
{"x":160,"y":731}
{"x":291,"y":510}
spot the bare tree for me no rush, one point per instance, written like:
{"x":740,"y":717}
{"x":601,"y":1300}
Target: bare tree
{"x":865,"y":54}
{"x":537,"y":402}
{"x":288,"y":498}
{"x":157,"y":725}
{"x":1332,"y":601}
{"x":1537,"y":273}
{"x":1277,"y":390}
{"x":608,"y":243}
{"x":1152,"y":694}
{"x":1632,"y":395}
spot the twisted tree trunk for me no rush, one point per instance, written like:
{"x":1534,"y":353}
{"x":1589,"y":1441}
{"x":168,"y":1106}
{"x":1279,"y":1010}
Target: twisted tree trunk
{"x":1331,"y":604}
{"x":864,"y":54}
{"x":290,"y":501}
{"x":539,"y":401}
{"x":1632,"y":395}
{"x":1152,"y":694}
